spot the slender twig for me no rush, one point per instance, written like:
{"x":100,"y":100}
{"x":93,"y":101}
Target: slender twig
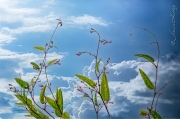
{"x":98,"y":73}
{"x":156,"y":75}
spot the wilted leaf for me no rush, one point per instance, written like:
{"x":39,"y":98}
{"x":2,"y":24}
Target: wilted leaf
{"x":59,"y":98}
{"x":105,"y":88}
{"x":51,"y":102}
{"x":35,"y":65}
{"x":151,"y":59}
{"x":52,"y":61}
{"x":87,"y":80}
{"x":39,"y":47}
{"x":22,"y":83}
{"x":143,"y":113}
{"x":97,"y":65}
{"x":146,"y":79}
{"x":65,"y":115}
{"x":155,"y":115}
{"x":95,"y":99}
{"x":41,"y":97}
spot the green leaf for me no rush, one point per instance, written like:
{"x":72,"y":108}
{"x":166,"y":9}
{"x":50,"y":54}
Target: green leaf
{"x":33,"y":112}
{"x":23,"y":91}
{"x":105,"y":88}
{"x":22,"y":83}
{"x":87,"y":80}
{"x":42,"y":115}
{"x":155,"y":115}
{"x":65,"y":115}
{"x":32,"y":82}
{"x":52,"y":61}
{"x":20,"y":103}
{"x":41,"y":97}
{"x":51,"y":102}
{"x":36,"y":112}
{"x":95,"y":99}
{"x":59,"y":98}
{"x":23,"y":99}
{"x":146,"y":79}
{"x":58,"y":113}
{"x":143,"y":113}
{"x":39,"y":47}
{"x":35,"y":65}
{"x":97,"y":65}
{"x":151,"y":59}
{"x":28,"y":115}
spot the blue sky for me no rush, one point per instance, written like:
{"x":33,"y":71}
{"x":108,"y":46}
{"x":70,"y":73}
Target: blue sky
{"x":25,"y":24}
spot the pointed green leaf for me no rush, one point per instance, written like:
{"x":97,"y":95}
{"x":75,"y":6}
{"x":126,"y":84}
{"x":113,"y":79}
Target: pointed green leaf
{"x":151,"y":59}
{"x":65,"y":115}
{"x":59,"y":98}
{"x":39,"y":47}
{"x":20,"y":103}
{"x":51,"y":102}
{"x":41,"y":97}
{"x":42,"y":115}
{"x":155,"y":115}
{"x":95,"y":99}
{"x":143,"y":113}
{"x":52,"y":61}
{"x":97,"y":65}
{"x":28,"y":115}
{"x":23,"y":91}
{"x":87,"y":80}
{"x":35,"y":65}
{"x":146,"y":79}
{"x":105,"y":88}
{"x":22,"y":83}
{"x":58,"y":113}
{"x":23,"y":99}
{"x":32,"y":82}
{"x":84,"y":96}
{"x":33,"y":112}
{"x":36,"y":112}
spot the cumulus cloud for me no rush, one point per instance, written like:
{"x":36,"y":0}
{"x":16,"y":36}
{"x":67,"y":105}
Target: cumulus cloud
{"x":86,"y":20}
{"x":128,"y":96}
{"x":25,"y":20}
{"x":132,"y":95}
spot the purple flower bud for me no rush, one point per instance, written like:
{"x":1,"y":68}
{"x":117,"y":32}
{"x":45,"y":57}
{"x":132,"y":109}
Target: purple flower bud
{"x":86,"y":95}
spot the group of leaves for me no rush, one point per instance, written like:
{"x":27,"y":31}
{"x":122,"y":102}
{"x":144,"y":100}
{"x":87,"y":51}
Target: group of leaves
{"x":56,"y":104}
{"x":149,"y":85}
{"x":104,"y":86}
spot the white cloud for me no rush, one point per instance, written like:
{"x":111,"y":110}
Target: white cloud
{"x":123,"y":65}
{"x":86,"y":20}
{"x":4,"y":110}
{"x":4,"y":38}
{"x":24,"y":20}
{"x":10,"y":12}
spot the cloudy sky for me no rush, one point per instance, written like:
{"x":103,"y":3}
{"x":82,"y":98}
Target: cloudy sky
{"x":25,"y":24}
